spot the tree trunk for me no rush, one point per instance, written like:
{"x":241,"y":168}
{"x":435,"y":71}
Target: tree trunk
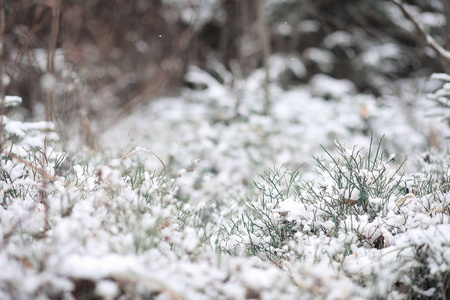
{"x":265,"y":41}
{"x":446,"y":4}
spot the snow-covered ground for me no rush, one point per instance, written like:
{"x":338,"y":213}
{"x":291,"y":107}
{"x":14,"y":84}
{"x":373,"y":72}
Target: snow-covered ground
{"x":203,"y":197}
{"x":213,"y":149}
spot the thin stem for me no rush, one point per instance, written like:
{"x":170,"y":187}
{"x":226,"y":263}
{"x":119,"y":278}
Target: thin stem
{"x":430,"y":40}
{"x":51,"y":57}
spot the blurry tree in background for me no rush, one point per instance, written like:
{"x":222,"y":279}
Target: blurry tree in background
{"x":112,"y":56}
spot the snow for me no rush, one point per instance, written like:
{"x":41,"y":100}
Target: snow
{"x":280,"y":63}
{"x":309,"y":26}
{"x":202,"y":12}
{"x":323,"y":58}
{"x":12,"y":101}
{"x":107,"y":289}
{"x":204,"y":225}
{"x":284,"y":29}
{"x":441,"y":76}
{"x":396,"y":15}
{"x":48,"y":82}
{"x":323,"y":85}
{"x":338,"y":38}
{"x":430,"y":19}
{"x":91,"y":267}
{"x":384,"y":58}
{"x":40,"y":57}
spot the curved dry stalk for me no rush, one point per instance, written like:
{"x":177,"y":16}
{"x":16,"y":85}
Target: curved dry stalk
{"x":146,"y":151}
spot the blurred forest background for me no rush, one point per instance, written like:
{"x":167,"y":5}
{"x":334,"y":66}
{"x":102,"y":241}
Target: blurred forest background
{"x":81,"y":62}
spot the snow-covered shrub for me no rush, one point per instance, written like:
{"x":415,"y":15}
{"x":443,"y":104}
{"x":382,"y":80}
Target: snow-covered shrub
{"x":441,"y":97}
{"x":112,"y":228}
{"x":117,"y":230}
{"x":361,"y":208}
{"x":25,"y":135}
{"x":354,"y":186}
{"x":69,"y":230}
{"x":118,"y":226}
{"x":28,"y":157}
{"x":355,"y":177}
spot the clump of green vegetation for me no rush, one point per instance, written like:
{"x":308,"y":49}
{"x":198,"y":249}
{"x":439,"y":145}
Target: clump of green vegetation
{"x":363,"y":215}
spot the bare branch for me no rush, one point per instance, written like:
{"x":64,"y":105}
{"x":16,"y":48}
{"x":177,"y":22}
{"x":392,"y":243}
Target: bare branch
{"x":430,"y":40}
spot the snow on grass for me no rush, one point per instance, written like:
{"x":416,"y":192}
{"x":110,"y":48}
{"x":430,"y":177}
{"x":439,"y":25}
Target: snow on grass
{"x":12,"y":101}
{"x":210,"y":199}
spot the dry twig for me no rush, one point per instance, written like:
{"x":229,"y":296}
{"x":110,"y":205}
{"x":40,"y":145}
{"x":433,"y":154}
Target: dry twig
{"x":430,"y":40}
